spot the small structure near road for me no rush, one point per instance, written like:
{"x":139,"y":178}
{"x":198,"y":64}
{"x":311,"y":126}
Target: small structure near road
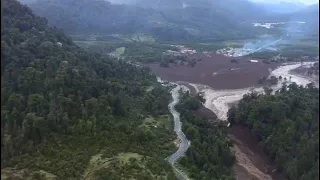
{"x":254,"y":61}
{"x":59,"y":44}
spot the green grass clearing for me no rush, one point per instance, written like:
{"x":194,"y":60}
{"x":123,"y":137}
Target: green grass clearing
{"x":124,"y":158}
{"x":25,"y":174}
{"x":161,"y":121}
{"x":120,"y":51}
{"x":150,"y":88}
{"x":134,"y":166}
{"x":140,"y":38}
{"x":96,"y":163}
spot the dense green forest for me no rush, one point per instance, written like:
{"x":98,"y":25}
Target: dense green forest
{"x":287,"y":125}
{"x":209,"y":156}
{"x":71,"y":114}
{"x":140,"y":52}
{"x":165,"y":24}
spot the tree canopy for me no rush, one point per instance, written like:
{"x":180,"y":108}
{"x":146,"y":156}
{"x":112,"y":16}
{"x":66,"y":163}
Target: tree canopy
{"x":209,"y":155}
{"x":62,"y":105}
{"x":287,"y":124}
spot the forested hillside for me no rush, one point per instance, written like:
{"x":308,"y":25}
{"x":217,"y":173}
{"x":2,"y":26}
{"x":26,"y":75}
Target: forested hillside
{"x":287,"y":125}
{"x":209,"y":156}
{"x":71,"y":114}
{"x":165,"y":20}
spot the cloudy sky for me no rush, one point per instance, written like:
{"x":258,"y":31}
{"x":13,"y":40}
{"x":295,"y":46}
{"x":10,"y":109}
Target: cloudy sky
{"x":308,"y":2}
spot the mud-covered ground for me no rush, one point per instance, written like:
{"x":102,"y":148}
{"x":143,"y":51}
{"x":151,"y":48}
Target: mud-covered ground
{"x":216,"y":71}
{"x":252,"y":162}
{"x":310,"y":73}
{"x":202,"y":111}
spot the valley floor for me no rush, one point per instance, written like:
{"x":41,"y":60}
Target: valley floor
{"x":216,"y":71}
{"x":252,"y":162}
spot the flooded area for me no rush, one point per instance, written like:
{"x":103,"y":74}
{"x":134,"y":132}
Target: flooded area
{"x":216,"y":71}
{"x":252,"y":162}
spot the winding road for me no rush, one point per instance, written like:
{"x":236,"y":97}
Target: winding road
{"x":218,"y":102}
{"x":184,"y":143}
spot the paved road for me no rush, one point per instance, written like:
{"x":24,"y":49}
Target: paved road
{"x":184,"y":142}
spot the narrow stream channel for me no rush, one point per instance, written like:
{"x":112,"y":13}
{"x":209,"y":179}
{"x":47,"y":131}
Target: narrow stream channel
{"x":218,"y":102}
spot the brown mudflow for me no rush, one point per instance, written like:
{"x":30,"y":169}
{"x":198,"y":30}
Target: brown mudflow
{"x":252,"y":162}
{"x":216,"y":71}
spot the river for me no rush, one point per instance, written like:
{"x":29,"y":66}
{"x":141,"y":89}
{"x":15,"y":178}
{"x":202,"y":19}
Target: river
{"x":251,"y":162}
{"x":218,"y":101}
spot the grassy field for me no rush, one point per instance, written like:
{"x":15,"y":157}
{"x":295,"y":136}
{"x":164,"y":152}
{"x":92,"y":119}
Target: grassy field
{"x":141,"y":48}
{"x":140,"y":38}
{"x":26,"y":174}
{"x":131,"y":162}
{"x":161,"y":121}
{"x":96,"y":163}
{"x":120,"y":51}
{"x":95,"y":158}
{"x":131,"y":165}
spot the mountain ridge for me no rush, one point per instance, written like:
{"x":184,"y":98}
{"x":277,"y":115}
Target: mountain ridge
{"x":216,"y":20}
{"x":67,"y":112}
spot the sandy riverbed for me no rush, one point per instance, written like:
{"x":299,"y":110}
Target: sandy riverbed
{"x":252,"y":163}
{"x":218,"y":100}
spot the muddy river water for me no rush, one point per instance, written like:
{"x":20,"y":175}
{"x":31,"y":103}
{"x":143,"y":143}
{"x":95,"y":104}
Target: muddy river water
{"x":218,"y":100}
{"x":252,"y":163}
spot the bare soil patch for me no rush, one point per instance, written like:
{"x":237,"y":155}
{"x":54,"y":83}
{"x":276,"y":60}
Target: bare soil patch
{"x":307,"y":73}
{"x":202,"y":111}
{"x":251,"y":159}
{"x":216,"y":71}
{"x":242,"y":174}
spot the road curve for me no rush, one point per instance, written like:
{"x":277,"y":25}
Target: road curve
{"x":184,"y":143}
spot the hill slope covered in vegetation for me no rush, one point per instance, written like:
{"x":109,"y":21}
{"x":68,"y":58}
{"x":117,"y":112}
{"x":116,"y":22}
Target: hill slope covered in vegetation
{"x":287,"y":125}
{"x":164,"y":20}
{"x":209,"y":155}
{"x":71,"y":114}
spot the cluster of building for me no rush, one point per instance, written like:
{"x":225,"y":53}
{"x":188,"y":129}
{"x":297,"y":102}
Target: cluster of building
{"x":234,"y":52}
{"x":181,"y":50}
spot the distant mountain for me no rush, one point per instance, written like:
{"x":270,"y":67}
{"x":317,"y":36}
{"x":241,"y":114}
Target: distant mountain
{"x":240,"y":9}
{"x":310,"y":14}
{"x":27,"y":1}
{"x":164,"y":19}
{"x":122,"y":1}
{"x":281,"y":7}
